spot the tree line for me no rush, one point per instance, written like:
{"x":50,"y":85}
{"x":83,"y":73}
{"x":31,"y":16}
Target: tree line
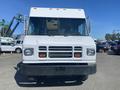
{"x":113,"y":36}
{"x":3,"y":27}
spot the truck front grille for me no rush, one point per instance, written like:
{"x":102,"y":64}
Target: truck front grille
{"x":42,"y":48}
{"x":60,"y":51}
{"x":60,"y":48}
{"x":60,"y":54}
{"x":78,"y":48}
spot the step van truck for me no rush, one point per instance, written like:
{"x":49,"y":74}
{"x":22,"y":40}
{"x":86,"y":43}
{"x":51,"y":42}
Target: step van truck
{"x":58,"y":43}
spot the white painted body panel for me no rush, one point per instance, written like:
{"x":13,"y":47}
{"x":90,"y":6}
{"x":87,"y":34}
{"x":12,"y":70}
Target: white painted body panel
{"x":36,"y":41}
{"x":57,"y":12}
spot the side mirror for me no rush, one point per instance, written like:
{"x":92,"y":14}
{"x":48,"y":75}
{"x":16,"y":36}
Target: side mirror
{"x":26,"y":22}
{"x":88,"y":26}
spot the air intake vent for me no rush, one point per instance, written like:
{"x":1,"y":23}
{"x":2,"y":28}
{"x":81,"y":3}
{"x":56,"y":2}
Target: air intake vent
{"x":60,"y":48}
{"x":42,"y":48}
{"x":78,"y":48}
{"x":60,"y":54}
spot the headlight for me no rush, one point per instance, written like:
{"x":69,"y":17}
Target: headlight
{"x":28,"y":51}
{"x":90,"y":51}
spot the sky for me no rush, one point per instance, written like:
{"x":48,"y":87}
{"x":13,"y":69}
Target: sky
{"x":104,"y":15}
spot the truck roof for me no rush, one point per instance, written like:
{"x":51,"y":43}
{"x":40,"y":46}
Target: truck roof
{"x":57,"y":12}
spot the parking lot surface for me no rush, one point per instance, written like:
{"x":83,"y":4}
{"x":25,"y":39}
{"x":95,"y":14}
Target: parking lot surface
{"x":106,"y":78}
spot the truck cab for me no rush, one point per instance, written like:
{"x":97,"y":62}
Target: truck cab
{"x":57,"y":43}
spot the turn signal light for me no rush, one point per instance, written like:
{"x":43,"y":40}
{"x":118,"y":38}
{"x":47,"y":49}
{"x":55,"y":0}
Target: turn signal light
{"x":42,"y":54}
{"x":77,"y":54}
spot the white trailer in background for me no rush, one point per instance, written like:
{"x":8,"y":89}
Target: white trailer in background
{"x":58,"y":44}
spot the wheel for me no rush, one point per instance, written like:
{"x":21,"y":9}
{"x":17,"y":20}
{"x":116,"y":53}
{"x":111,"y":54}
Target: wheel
{"x":18,"y":50}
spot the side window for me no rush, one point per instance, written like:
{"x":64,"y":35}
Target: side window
{"x":3,"y":43}
{"x":31,"y":28}
{"x":6,"y":44}
{"x":81,"y":29}
{"x":9,"y":43}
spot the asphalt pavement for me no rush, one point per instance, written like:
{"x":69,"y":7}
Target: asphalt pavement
{"x":106,"y":78}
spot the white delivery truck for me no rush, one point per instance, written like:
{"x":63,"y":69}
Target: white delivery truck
{"x":58,"y":44}
{"x":7,"y":44}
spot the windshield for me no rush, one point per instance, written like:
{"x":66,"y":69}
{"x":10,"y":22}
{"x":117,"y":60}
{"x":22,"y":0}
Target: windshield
{"x":56,"y":26}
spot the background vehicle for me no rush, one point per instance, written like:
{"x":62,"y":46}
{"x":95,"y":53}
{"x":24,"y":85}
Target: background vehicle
{"x":58,"y":44}
{"x":102,"y":46}
{"x":8,"y":44}
{"x":116,"y":48}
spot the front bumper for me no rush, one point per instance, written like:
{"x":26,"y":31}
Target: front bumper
{"x":57,"y":69}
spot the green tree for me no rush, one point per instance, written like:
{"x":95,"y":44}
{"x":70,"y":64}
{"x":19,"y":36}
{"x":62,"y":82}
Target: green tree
{"x":3,"y":30}
{"x":2,"y":22}
{"x":118,"y":36}
{"x":108,"y":36}
{"x":114,"y":37}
